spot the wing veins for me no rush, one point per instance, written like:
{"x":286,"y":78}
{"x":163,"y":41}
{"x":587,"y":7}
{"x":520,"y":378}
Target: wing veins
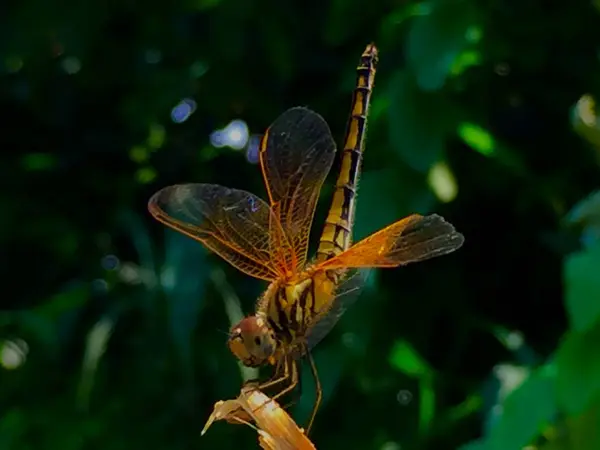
{"x":313,"y":199}
{"x":178,"y":225}
{"x":412,"y":239}
{"x":228,"y":243}
{"x":296,"y":155}
{"x":217,"y":217}
{"x":241,"y":236}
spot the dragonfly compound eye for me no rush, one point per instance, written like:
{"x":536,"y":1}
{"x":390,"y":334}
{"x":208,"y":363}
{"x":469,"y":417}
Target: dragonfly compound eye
{"x":251,"y":341}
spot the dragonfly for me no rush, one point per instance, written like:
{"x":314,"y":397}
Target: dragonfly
{"x":269,"y":240}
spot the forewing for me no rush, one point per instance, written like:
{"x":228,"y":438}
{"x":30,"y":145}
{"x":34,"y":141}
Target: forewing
{"x":415,"y":238}
{"x":347,"y":292}
{"x":296,"y":154}
{"x":234,"y":224}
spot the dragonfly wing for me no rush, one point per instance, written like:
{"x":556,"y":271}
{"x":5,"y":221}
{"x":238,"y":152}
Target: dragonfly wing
{"x":346,"y":294}
{"x":414,"y":238}
{"x":234,"y":224}
{"x":296,"y":154}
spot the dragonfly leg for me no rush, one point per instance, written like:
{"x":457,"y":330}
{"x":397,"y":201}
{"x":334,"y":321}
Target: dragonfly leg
{"x":278,"y":378}
{"x":297,"y":393}
{"x":290,"y":373}
{"x":319,"y":391}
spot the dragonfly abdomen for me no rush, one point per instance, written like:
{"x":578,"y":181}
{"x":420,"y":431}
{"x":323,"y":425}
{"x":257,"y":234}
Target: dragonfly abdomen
{"x":337,"y":233}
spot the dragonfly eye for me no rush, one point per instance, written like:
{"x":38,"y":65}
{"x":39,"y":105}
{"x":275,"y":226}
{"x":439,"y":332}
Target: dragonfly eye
{"x":252,"y":341}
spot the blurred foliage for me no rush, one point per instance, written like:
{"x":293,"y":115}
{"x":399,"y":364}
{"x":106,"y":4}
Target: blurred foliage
{"x":112,"y":329}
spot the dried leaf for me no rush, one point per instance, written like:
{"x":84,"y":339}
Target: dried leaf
{"x":276,"y":429}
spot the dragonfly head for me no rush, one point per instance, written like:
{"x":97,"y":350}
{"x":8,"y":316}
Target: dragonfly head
{"x":252,"y":341}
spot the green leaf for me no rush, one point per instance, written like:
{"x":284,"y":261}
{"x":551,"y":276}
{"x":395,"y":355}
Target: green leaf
{"x":436,"y":40}
{"x":426,"y":403}
{"x":37,"y":162}
{"x":391,"y":22}
{"x":477,"y":138}
{"x":419,"y":122}
{"x":95,"y":348}
{"x":406,"y":359}
{"x":525,"y":411}
{"x":482,"y":141}
{"x":140,"y":237}
{"x":183,"y":278}
{"x":578,"y":365}
{"x":479,"y":444}
{"x":586,"y":211}
{"x":64,"y":302}
{"x":459,"y":412}
{"x":13,"y":425}
{"x":582,"y":430}
{"x":586,"y":214}
{"x":582,"y":288}
{"x":466,"y":59}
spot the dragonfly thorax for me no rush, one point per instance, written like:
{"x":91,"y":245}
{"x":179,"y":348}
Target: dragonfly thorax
{"x":253,"y":341}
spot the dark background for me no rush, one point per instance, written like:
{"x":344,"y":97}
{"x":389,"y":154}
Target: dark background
{"x":113,"y":329}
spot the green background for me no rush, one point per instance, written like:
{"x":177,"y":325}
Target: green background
{"x":113,"y":329}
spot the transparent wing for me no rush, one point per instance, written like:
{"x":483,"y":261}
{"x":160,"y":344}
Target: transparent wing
{"x":237,"y":225}
{"x":296,"y":154}
{"x":415,"y":238}
{"x":347,"y":292}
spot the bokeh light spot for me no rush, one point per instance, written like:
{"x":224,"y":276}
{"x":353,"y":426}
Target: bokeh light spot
{"x":110,"y":262}
{"x":235,"y":135}
{"x":145,"y":175}
{"x":198,"y":69}
{"x":13,"y":353}
{"x":156,"y":136}
{"x":474,"y":34}
{"x":404,"y":397}
{"x":477,"y":138}
{"x":71,"y":65}
{"x":183,"y":110}
{"x":153,"y":56}
{"x":391,"y":446}
{"x":13,"y":64}
{"x":252,"y":150}
{"x":138,"y":154}
{"x":442,"y":182}
{"x":100,"y":286}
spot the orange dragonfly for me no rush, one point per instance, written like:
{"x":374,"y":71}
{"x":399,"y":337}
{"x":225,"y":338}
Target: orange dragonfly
{"x":269,"y":241}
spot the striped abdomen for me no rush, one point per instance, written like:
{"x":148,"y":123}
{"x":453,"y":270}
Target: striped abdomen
{"x":337,"y":233}
{"x":291,"y":308}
